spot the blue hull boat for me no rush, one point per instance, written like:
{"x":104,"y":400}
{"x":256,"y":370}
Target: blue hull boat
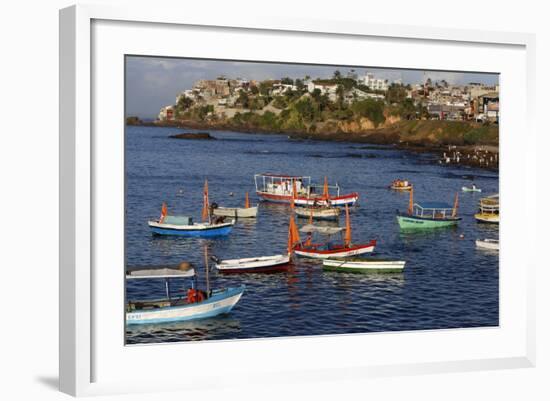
{"x":192,"y":230}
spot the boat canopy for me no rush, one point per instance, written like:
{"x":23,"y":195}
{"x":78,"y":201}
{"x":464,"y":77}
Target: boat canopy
{"x":433,"y":205}
{"x":158,"y":272}
{"x":310,"y":228}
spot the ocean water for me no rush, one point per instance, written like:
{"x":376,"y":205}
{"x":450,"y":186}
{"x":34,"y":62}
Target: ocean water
{"x":447,"y":282}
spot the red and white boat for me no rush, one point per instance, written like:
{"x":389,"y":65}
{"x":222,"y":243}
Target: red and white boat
{"x":279,"y":188}
{"x":327,"y":249}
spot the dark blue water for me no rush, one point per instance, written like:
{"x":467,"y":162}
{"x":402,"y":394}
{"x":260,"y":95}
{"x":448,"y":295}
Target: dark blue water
{"x":447,"y":282}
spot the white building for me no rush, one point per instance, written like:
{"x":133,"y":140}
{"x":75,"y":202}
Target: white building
{"x":374,"y":83}
{"x":166,"y":113}
{"x":326,"y":89}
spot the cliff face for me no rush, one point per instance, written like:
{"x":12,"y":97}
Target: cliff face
{"x":424,"y":133}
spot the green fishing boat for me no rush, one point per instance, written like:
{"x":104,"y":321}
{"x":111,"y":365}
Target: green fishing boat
{"x":428,"y":215}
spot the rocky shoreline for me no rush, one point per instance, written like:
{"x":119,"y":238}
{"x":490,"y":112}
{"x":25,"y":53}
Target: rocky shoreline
{"x":480,"y":155}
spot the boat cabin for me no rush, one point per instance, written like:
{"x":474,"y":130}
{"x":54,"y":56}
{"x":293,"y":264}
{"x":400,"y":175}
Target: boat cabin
{"x":433,"y":210}
{"x":282,"y":184}
{"x":166,"y":273}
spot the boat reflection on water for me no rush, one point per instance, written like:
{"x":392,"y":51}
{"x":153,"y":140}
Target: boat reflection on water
{"x":222,"y":327}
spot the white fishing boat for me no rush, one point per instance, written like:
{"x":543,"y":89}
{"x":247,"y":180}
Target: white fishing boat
{"x":236,"y":212}
{"x":488,"y":243}
{"x":318,"y":213}
{"x":473,"y":188}
{"x":361,"y":265}
{"x":282,"y":188}
{"x":261,"y":264}
{"x":195,"y":304}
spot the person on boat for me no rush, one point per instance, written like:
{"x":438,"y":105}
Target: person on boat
{"x":194,"y":296}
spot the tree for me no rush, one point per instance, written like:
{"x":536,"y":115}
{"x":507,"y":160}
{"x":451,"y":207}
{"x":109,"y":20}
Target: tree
{"x":243,"y":99}
{"x":287,"y":81}
{"x":337,"y":74}
{"x":340,"y":91}
{"x":396,"y":94}
{"x":371,"y":109}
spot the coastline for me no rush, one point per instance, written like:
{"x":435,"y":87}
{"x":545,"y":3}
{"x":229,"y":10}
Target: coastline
{"x":478,"y":155}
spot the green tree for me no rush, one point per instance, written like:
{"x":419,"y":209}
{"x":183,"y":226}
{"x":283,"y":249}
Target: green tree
{"x":371,"y":109}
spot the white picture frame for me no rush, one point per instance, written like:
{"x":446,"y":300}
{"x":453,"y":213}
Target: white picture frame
{"x":81,"y":209}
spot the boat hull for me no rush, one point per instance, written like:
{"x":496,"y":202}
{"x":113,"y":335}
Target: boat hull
{"x":217,"y":304}
{"x":366,"y":266}
{"x":320,"y":214}
{"x":487,"y":218}
{"x":341,"y":201}
{"x":338,"y":252}
{"x":266,"y":264}
{"x":236,"y":212}
{"x":408,"y":222}
{"x":195,"y":230}
{"x":466,"y":189}
{"x":489,"y":245}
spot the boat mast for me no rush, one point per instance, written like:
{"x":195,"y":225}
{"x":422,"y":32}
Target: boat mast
{"x":347,"y":238}
{"x":205,"y":205}
{"x":410,"y":211}
{"x":207,"y":276}
{"x":455,"y":207}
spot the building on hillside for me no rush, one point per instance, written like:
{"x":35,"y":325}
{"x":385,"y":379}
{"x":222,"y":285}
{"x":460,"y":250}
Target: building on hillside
{"x":325,"y":88}
{"x":374,"y":83}
{"x":167,"y":113}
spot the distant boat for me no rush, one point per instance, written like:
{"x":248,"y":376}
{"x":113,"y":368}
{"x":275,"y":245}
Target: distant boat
{"x":196,"y":304}
{"x":279,"y":188}
{"x":429,"y":215}
{"x":473,"y":188}
{"x":261,"y":264}
{"x":328,"y":249}
{"x":487,"y":243}
{"x":489,"y":210}
{"x":401,"y":185}
{"x":236,"y":212}
{"x":184,"y":225}
{"x":363,"y":265}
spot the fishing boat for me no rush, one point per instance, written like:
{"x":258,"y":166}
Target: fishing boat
{"x":318,"y":212}
{"x":487,"y":243}
{"x":327,"y":249}
{"x":429,"y":214}
{"x":279,"y":188}
{"x":362,"y":265}
{"x":236,"y":212}
{"x":195,"y":304}
{"x":401,"y":185}
{"x":473,"y":188}
{"x":184,"y":225}
{"x":261,"y":264}
{"x":489,"y":210}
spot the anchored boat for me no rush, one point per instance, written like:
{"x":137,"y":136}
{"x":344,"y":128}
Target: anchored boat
{"x":429,"y":214}
{"x":236,"y":212}
{"x":184,"y":225}
{"x":361,"y":265}
{"x":261,"y":264}
{"x":327,"y":249}
{"x":279,"y":188}
{"x":401,"y":185}
{"x":196,"y":304}
{"x":318,"y":212}
{"x":487,"y":243}
{"x":473,"y":188}
{"x":489,"y":210}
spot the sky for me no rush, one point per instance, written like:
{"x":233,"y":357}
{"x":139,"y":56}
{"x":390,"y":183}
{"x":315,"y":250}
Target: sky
{"x":154,"y":82}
